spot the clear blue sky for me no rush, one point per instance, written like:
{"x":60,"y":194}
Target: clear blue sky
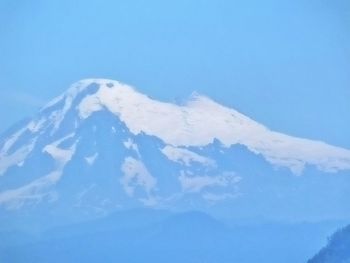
{"x":285,"y":63}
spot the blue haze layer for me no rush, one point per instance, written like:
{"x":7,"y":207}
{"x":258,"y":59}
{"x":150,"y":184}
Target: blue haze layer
{"x":284,"y":63}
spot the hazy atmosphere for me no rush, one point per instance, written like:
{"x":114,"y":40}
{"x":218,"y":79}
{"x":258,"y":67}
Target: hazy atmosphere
{"x":175,"y":131}
{"x":285,"y":63}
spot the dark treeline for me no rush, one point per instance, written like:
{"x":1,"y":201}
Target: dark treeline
{"x":337,"y":249}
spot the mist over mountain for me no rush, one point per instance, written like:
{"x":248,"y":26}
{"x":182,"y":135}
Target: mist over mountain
{"x":149,"y":235}
{"x":101,"y":150}
{"x":102,"y":146}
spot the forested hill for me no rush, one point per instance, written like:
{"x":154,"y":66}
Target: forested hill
{"x":337,"y":249}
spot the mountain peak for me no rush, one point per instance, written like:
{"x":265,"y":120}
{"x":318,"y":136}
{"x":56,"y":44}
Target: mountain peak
{"x":197,"y":123}
{"x":99,"y":123}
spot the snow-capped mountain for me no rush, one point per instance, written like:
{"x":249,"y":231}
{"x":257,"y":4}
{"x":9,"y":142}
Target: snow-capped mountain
{"x":103,"y":146}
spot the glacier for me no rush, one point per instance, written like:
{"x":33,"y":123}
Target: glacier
{"x":124,"y":149}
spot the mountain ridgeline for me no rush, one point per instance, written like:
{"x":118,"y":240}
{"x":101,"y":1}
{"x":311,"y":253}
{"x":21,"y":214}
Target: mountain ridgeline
{"x":102,"y":149}
{"x":102,"y":146}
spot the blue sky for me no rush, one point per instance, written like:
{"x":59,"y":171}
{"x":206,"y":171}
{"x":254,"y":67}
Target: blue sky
{"x":285,"y":63}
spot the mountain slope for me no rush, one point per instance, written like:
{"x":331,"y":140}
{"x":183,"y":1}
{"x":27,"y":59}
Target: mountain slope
{"x":103,"y":146}
{"x":337,"y":249}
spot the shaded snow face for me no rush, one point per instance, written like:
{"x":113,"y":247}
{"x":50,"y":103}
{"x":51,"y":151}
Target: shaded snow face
{"x":104,"y":142}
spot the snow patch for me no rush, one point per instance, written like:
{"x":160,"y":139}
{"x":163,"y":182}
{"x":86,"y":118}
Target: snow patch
{"x":38,"y":190}
{"x":91,"y":159}
{"x":19,"y":156}
{"x":36,"y":126}
{"x":58,"y":116}
{"x":195,"y":184}
{"x":129,"y":144}
{"x":34,"y":192}
{"x":61,"y":156}
{"x":186,"y":157}
{"x":136,"y":175}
